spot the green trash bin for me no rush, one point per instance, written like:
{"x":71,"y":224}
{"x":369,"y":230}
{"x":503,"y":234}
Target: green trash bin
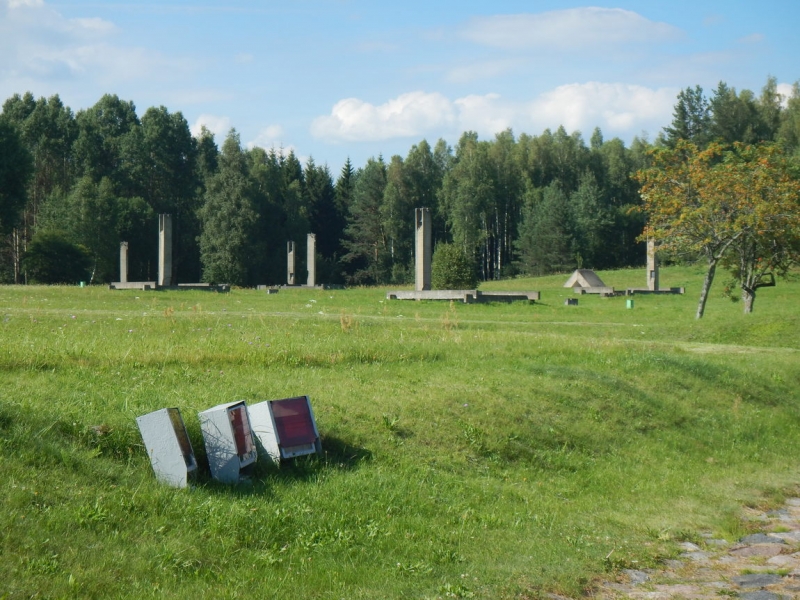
{"x":629,"y":303}
{"x":83,"y":284}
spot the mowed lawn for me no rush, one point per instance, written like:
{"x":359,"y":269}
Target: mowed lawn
{"x":470,"y":451}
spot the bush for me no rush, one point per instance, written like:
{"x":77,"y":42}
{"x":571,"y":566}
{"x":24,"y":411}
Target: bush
{"x":52,"y":258}
{"x":452,"y":269}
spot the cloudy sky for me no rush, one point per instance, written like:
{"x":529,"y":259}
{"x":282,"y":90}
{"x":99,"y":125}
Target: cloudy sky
{"x":338,"y":78}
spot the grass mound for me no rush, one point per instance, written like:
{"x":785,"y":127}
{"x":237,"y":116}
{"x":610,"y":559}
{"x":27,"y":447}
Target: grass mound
{"x":481,"y":451}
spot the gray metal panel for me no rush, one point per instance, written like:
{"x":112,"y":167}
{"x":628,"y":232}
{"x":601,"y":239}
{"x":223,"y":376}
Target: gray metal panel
{"x":263,"y":424}
{"x":223,"y":455}
{"x":168,"y":446}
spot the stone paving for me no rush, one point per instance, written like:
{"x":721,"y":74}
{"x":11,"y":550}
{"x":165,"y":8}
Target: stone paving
{"x":762,"y":566}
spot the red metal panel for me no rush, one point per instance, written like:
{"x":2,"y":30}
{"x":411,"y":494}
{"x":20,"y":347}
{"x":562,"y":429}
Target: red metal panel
{"x":241,"y":430}
{"x":293,"y":421}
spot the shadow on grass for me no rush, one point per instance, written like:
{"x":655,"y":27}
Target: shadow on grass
{"x":337,"y":455}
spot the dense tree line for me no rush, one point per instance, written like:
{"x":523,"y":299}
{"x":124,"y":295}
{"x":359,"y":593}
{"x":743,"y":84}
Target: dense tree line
{"x":531,"y":204}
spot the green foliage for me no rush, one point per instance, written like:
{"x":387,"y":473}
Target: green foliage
{"x":228,"y":217}
{"x":15,"y":169}
{"x":52,"y":258}
{"x":736,"y":206}
{"x":546,"y":242}
{"x":366,"y":241}
{"x":452,"y":269}
{"x":691,"y":118}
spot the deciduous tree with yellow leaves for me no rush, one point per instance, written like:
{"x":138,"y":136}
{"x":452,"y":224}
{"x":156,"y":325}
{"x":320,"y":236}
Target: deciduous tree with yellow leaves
{"x":737,"y":206}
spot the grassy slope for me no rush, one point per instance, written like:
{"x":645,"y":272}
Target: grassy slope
{"x":471,"y":450}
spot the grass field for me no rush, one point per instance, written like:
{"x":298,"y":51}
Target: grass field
{"x":471,"y":451}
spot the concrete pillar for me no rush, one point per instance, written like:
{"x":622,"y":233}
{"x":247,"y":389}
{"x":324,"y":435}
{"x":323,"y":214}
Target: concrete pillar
{"x":311,"y":259}
{"x":123,"y":262}
{"x":290,"y":263}
{"x":164,"y":250}
{"x":422,"y":252}
{"x":652,"y":266}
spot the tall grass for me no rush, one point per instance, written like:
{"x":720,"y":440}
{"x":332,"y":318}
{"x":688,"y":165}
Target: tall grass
{"x":486,"y":451}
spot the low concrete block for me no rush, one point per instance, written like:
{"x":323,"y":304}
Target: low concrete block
{"x":133,"y":285}
{"x":466,"y":296}
{"x":602,"y":291}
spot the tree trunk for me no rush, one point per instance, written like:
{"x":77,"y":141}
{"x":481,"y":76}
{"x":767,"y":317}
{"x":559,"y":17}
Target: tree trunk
{"x":701,"y":306}
{"x":748,"y":299}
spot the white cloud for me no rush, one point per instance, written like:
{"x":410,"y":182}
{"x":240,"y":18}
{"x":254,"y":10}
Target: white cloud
{"x":94,"y":25}
{"x":219,"y":126}
{"x":614,"y":107}
{"x":571,"y":29}
{"x":269,"y":137}
{"x":40,"y":50}
{"x":753,"y":38}
{"x":407,"y":115}
{"x":619,"y":109}
{"x":20,"y":3}
{"x":485,"y":114}
{"x":481,"y":70}
{"x":786,"y":90}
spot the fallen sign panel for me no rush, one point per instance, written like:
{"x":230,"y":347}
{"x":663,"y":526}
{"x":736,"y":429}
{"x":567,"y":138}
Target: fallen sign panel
{"x":168,"y":446}
{"x":229,"y":440}
{"x":286,"y":428}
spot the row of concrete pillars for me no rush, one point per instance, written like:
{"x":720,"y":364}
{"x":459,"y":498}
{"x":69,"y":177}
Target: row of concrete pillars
{"x":311,"y":261}
{"x":165,"y":256}
{"x":164,"y":253}
{"x":422,"y":255}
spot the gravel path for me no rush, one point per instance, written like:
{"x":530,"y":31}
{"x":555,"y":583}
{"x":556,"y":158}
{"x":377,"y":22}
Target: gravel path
{"x":762,"y":566}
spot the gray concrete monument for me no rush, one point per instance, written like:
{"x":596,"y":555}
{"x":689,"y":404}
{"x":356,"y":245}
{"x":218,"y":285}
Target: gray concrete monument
{"x":652,"y":266}
{"x":123,"y":262}
{"x":164,"y":250}
{"x":290,"y":261}
{"x":422,"y":249}
{"x":311,"y":259}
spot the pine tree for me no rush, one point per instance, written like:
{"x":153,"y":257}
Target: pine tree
{"x":691,"y":119}
{"x":228,"y":218}
{"x":365,"y":236}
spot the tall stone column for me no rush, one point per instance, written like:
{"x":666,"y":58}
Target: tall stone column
{"x":123,"y":262}
{"x":422,"y":249}
{"x":652,"y":266}
{"x":311,"y":259}
{"x":164,"y":250}
{"x":290,"y":263}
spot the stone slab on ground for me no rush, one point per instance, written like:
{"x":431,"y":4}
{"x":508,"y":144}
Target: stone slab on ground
{"x":761,"y":566}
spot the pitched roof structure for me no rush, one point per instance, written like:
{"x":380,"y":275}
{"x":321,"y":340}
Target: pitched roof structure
{"x":584,"y":278}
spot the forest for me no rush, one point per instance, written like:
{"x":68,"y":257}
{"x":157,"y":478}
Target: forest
{"x":73,"y":186}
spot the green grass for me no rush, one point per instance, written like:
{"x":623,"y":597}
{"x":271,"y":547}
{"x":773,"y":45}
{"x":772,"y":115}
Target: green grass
{"x":483,"y":451}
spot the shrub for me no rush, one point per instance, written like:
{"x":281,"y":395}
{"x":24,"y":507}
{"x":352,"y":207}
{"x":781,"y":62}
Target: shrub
{"x":52,"y":258}
{"x":452,"y":269}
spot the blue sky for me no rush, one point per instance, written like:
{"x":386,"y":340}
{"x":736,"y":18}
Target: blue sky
{"x":338,"y":78}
